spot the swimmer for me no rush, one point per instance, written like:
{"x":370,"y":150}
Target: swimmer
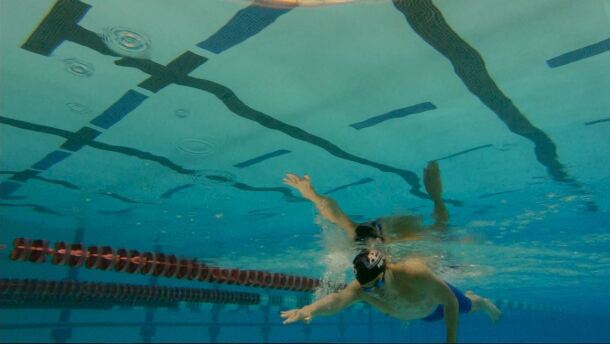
{"x":406,"y":290}
{"x":385,"y":229}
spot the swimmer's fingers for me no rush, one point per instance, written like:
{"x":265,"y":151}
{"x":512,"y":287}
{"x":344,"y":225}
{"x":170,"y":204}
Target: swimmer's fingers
{"x":291,"y":179}
{"x":295,"y":181}
{"x":284,"y":314}
{"x":293,"y":316}
{"x":288,"y":314}
{"x":290,"y":317}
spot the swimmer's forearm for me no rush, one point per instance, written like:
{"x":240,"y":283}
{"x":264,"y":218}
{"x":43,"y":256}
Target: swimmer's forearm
{"x":325,"y":205}
{"x":327,"y":305}
{"x":451,"y":321}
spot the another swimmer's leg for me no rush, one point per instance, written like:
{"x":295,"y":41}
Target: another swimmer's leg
{"x":483,"y":304}
{"x":434,"y":187}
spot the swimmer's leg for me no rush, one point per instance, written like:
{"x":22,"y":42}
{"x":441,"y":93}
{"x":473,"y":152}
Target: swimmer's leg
{"x":434,"y":187}
{"x":480,"y":303}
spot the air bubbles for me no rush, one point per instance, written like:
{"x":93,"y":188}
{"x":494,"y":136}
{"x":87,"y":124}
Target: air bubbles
{"x":126,"y":42}
{"x":182,"y":113}
{"x":79,"y":67}
{"x":78,"y":108}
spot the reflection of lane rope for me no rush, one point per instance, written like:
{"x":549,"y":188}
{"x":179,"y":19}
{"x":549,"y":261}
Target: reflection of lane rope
{"x":31,"y":293}
{"x":26,"y":293}
{"x":155,"y":264}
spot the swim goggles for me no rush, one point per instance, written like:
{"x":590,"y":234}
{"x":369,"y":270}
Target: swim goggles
{"x":378,"y":284}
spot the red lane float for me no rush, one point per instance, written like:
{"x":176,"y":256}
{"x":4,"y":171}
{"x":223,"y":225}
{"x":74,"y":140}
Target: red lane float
{"x":155,"y":264}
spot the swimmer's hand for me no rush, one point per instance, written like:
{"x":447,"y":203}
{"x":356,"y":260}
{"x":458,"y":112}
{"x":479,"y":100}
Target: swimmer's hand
{"x":301,"y":184}
{"x":295,"y":315}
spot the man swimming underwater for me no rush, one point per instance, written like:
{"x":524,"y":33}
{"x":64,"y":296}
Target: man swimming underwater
{"x":385,"y":229}
{"x":406,"y":290}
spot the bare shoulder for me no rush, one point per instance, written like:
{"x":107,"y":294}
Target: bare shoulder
{"x":412,"y":268}
{"x":413,"y":265}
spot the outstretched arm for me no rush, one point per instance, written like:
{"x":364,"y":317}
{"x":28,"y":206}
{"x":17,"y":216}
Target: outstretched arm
{"x":327,"y":305}
{"x":326,"y":205}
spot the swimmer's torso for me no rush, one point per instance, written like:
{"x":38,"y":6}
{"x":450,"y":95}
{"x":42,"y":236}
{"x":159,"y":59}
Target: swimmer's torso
{"x":401,"y":301}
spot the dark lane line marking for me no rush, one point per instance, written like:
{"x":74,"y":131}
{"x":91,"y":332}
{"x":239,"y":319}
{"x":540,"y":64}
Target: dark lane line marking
{"x":8,"y":187}
{"x":464,"y":152}
{"x":261,"y":158}
{"x":359,"y":182}
{"x":121,"y":108}
{"x":61,"y":24}
{"x":598,"y":121}
{"x":428,"y":22}
{"x":23,"y":176}
{"x":283,"y":190}
{"x":47,"y":180}
{"x":246,"y":23}
{"x":394,"y":114}
{"x":51,"y":159}
{"x":121,"y":198}
{"x":94,"y":144}
{"x":80,"y":139}
{"x":183,"y":64}
{"x":233,"y":103}
{"x":169,"y":193}
{"x":36,"y":127}
{"x":580,"y":54}
{"x":74,"y":141}
{"x":35,"y":207}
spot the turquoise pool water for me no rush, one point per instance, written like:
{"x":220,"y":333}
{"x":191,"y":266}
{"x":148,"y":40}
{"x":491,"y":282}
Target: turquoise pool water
{"x":168,"y":127}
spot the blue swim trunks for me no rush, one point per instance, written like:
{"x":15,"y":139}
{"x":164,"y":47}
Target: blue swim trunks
{"x":439,"y":313}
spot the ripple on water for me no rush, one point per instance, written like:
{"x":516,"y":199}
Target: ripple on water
{"x":78,"y":108}
{"x":79,"y":67}
{"x":182,"y":113}
{"x":196,"y":146}
{"x":127,"y":42}
{"x":192,"y":153}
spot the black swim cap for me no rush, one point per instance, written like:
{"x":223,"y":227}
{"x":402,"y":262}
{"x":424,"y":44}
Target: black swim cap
{"x":368,"y":264}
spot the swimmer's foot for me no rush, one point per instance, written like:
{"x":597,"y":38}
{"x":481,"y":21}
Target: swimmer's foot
{"x":484,"y":304}
{"x":434,"y":188}
{"x":432,"y":180}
